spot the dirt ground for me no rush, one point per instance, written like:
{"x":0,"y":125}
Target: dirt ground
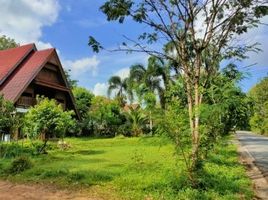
{"x":12,"y":191}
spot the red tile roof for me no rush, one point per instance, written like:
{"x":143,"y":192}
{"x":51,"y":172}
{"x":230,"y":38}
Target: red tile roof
{"x":11,"y":58}
{"x":23,"y":76}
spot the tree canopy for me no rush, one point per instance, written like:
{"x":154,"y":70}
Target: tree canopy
{"x":6,"y":43}
{"x":197,"y":36}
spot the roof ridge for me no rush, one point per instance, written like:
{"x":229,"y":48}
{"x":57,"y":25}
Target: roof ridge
{"x":19,"y":47}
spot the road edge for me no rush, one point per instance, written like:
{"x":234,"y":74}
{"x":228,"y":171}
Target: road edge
{"x":260,"y":184}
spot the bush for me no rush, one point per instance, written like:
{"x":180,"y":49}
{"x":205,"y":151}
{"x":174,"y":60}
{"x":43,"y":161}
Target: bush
{"x":13,"y":150}
{"x":20,"y":164}
{"x":47,"y":120}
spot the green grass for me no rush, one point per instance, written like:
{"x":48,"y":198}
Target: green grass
{"x":135,"y":168}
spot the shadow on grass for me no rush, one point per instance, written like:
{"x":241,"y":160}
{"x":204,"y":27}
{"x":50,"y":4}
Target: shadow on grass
{"x":84,"y":177}
{"x":89,"y":152}
{"x":222,"y":158}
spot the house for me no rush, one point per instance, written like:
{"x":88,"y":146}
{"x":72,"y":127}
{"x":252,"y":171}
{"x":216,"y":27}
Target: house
{"x":26,"y":72}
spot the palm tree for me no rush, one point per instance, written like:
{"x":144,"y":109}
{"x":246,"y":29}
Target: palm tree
{"x":116,"y":83}
{"x":154,"y":78}
{"x":136,"y":120}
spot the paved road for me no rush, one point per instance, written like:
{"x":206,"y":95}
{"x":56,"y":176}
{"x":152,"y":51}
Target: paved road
{"x":257,"y":147}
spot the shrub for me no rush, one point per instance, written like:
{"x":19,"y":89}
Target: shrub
{"x":13,"y":150}
{"x":46,"y":120}
{"x":20,"y":164}
{"x":105,"y":116}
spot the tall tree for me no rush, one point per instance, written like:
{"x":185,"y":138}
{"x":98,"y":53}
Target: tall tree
{"x":259,"y":93}
{"x":153,"y":79}
{"x":197,"y":30}
{"x":6,"y":43}
{"x":120,"y":86}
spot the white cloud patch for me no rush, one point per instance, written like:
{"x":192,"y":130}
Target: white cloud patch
{"x":123,"y":73}
{"x":81,"y":66}
{"x":23,"y":20}
{"x":42,"y":45}
{"x":259,"y":35}
{"x":100,"y":89}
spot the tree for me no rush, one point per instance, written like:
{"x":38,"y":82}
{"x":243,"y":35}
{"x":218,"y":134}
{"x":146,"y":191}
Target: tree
{"x":259,"y":93}
{"x":196,"y":31}
{"x":6,"y":43}
{"x":7,"y":116}
{"x":136,"y":120}
{"x":47,"y":119}
{"x":148,"y":80}
{"x":71,"y":82}
{"x":121,"y":87}
{"x":83,"y":99}
{"x":105,"y":116}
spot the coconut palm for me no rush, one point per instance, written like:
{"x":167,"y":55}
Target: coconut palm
{"x":154,"y":78}
{"x":120,"y":86}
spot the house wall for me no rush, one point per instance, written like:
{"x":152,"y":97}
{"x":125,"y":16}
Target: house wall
{"x":50,"y":74}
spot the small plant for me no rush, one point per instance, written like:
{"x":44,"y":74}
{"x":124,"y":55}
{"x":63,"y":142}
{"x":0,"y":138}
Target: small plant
{"x":20,"y":164}
{"x":138,"y":160}
{"x":76,"y":176}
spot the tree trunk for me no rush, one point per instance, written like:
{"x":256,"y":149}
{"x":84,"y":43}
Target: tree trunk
{"x":194,"y":102}
{"x":197,"y":102}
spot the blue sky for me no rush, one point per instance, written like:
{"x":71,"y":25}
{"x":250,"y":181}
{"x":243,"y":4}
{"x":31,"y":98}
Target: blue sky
{"x":66,"y":25}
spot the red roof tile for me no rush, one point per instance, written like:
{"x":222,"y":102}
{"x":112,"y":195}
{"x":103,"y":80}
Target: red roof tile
{"x":11,"y":58}
{"x":24,"y":74}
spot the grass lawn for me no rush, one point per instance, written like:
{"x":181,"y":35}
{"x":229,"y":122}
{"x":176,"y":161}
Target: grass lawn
{"x":135,"y":168}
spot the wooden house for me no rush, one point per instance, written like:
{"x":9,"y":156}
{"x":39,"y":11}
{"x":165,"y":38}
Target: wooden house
{"x":26,"y":72}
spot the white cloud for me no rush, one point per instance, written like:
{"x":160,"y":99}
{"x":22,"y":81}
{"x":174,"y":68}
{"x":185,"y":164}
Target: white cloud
{"x":123,"y":73}
{"x":42,"y":45}
{"x":23,"y":20}
{"x":100,"y":89}
{"x":81,"y":66}
{"x":259,"y":35}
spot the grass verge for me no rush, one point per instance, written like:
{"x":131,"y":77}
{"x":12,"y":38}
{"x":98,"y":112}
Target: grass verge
{"x":135,"y":168}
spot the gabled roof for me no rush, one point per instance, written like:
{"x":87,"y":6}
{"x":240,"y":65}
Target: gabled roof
{"x":11,"y":58}
{"x":24,"y":74}
{"x":19,"y":66}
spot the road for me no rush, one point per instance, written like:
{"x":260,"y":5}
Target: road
{"x":257,"y":147}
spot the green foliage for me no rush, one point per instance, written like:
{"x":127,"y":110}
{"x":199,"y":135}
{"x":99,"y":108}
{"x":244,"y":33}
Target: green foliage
{"x":94,"y":44}
{"x":13,"y":150}
{"x":121,"y":87}
{"x":20,"y":164}
{"x":72,"y":83}
{"x":7,"y":116}
{"x":6,"y":43}
{"x":47,"y":119}
{"x":83,"y":98}
{"x":135,"y":120}
{"x":105,"y":116}
{"x":231,"y":104}
{"x":259,"y":120}
{"x":144,"y":80}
